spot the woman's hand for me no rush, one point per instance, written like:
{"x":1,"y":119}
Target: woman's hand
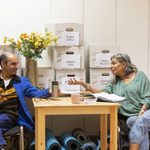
{"x":73,"y":81}
{"x":143,"y":109}
{"x":141,"y":112}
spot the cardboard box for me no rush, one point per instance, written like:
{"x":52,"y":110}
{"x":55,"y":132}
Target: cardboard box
{"x":45,"y":77}
{"x":69,"y":34}
{"x":99,"y":78}
{"x":70,"y":57}
{"x":100,"y":56}
{"x":62,"y":76}
{"x":6,"y":48}
{"x":47,"y":58}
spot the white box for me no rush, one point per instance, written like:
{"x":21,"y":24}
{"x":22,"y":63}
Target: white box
{"x":59,"y":52}
{"x":69,"y":34}
{"x":45,"y":77}
{"x":100,"y":56}
{"x":6,"y":48}
{"x":47,"y":58}
{"x":66,"y":74}
{"x":100,"y":77}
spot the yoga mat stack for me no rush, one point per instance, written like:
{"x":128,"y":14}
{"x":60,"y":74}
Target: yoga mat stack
{"x":80,"y":135}
{"x":78,"y":140}
{"x":84,"y":139}
{"x":51,"y":142}
{"x":69,"y":142}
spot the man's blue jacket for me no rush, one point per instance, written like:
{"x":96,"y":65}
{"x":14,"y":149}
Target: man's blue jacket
{"x":24,"y":88}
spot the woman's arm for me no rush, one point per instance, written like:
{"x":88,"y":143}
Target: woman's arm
{"x":143,"y":109}
{"x":87,"y":86}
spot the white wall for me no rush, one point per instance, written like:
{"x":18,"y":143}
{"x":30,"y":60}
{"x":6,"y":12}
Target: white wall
{"x":67,"y":11}
{"x":19,"y":16}
{"x":122,"y":23}
{"x":132,"y":31}
{"x":100,"y":22}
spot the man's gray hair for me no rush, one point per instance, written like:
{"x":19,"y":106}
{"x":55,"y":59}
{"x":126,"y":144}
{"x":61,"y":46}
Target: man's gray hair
{"x":4,"y":56}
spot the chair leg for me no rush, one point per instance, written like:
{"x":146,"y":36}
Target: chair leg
{"x":21,"y":138}
{"x":119,"y":139}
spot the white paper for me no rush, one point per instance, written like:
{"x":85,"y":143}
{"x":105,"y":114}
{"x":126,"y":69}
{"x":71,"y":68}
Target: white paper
{"x":70,"y":61}
{"x":103,"y":60}
{"x":69,"y":38}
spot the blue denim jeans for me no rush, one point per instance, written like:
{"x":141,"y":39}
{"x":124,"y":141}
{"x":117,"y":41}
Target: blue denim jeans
{"x":6,"y":122}
{"x":140,"y":127}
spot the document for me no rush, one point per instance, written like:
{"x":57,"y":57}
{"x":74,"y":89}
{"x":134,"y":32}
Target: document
{"x":103,"y":96}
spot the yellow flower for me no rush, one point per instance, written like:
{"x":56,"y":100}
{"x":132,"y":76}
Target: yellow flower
{"x":31,"y":45}
{"x":5,"y":40}
{"x":23,"y":36}
{"x":18,"y":44}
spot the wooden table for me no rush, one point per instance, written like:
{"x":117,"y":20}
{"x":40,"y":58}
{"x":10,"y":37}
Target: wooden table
{"x":63,"y":106}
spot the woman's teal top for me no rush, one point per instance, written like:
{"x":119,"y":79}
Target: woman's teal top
{"x":137,"y":93}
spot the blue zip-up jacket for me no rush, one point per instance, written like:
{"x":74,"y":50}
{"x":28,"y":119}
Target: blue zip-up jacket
{"x":24,"y":88}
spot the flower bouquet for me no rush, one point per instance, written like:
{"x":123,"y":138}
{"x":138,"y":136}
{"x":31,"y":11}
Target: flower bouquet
{"x":31,"y":45}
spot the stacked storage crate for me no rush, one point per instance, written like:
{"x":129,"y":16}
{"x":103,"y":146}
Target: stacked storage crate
{"x":69,"y":62}
{"x":46,"y":69}
{"x":100,"y":64}
{"x":69,"y":54}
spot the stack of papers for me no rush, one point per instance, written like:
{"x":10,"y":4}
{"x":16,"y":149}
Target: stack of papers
{"x":103,"y":96}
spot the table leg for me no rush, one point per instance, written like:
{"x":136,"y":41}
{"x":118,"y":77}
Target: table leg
{"x":103,"y":131}
{"x":113,"y":128}
{"x":39,"y":129}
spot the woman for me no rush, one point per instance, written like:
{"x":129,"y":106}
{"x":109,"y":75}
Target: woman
{"x":129,"y":83}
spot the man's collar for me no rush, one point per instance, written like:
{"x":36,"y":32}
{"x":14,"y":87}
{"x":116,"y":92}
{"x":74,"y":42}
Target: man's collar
{"x":15,"y":78}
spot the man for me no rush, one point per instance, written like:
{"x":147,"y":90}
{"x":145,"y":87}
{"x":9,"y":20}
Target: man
{"x":13,"y":89}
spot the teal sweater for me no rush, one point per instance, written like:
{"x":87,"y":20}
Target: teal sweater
{"x":137,"y":93}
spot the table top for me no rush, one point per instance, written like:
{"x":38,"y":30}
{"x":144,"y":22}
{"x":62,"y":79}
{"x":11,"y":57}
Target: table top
{"x":66,"y":101}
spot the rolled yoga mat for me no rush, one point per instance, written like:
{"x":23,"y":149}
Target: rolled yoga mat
{"x":89,"y":146}
{"x":32,"y":145}
{"x":70,"y":142}
{"x":51,"y":142}
{"x":80,"y":135}
{"x":98,"y":144}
